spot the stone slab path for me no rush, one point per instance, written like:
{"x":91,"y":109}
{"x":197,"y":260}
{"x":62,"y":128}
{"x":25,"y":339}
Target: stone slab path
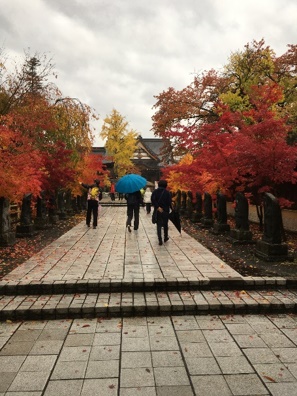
{"x":107,"y":312}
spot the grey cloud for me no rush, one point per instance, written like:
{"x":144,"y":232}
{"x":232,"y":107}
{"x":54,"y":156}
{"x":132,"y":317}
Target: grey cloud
{"x":121,"y":53}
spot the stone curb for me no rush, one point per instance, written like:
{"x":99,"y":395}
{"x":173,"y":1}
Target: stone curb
{"x":141,"y":285}
{"x":70,"y":306}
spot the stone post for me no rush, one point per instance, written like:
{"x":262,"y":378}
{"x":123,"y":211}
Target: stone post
{"x":26,"y":227}
{"x":241,"y":233}
{"x":61,"y":205}
{"x":197,"y":214}
{"x":221,"y":225}
{"x":271,"y":247}
{"x":41,"y":220}
{"x":207,"y":218}
{"x":7,"y":236}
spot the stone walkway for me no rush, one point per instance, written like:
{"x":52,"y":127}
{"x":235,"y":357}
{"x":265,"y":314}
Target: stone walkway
{"x":106,"y":312}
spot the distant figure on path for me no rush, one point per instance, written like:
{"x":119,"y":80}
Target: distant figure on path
{"x":147,"y":199}
{"x":162,"y":202}
{"x":112,"y":192}
{"x":94,"y":196}
{"x":134,"y":200}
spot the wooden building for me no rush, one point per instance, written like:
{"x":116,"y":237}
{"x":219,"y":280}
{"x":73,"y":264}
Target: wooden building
{"x":147,"y":158}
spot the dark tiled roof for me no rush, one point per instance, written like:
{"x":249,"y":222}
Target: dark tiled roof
{"x":153,"y":145}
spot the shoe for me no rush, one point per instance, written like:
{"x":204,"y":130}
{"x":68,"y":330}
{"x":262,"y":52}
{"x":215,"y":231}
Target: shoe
{"x":135,"y":229}
{"x":94,"y":227}
{"x":166,"y":239}
{"x":160,"y":243}
{"x":88,"y":225}
{"x":129,"y":228}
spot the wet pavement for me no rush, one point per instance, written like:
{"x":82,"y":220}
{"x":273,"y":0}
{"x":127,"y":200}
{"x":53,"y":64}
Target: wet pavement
{"x":107,"y":312}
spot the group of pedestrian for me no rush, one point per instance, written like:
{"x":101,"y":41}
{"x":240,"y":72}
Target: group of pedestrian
{"x":160,"y":199}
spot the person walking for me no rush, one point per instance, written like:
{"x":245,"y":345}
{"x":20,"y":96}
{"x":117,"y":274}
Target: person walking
{"x":94,"y":196}
{"x":147,"y":199}
{"x":134,"y":200}
{"x":162,"y":202}
{"x":112,"y":192}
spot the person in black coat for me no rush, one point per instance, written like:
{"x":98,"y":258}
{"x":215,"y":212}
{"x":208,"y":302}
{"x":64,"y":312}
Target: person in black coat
{"x":162,"y":202}
{"x":134,"y":200}
{"x":94,"y":196}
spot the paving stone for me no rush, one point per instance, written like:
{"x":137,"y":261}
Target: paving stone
{"x":21,"y":394}
{"x":79,"y":339}
{"x":225,"y":349}
{"x":140,"y":390}
{"x":167,"y":359}
{"x":52,"y":334}
{"x":166,"y":376}
{"x":159,"y":343}
{"x":174,"y":391}
{"x":17,"y":348}
{"x":283,"y":389}
{"x":135,"y":377}
{"x":136,"y":359}
{"x":202,"y":366}
{"x":69,"y":370}
{"x":80,"y":353}
{"x":135,"y":344}
{"x":246,"y":384}
{"x":25,"y":335}
{"x":10,"y":364}
{"x":162,"y":330}
{"x":26,"y":382}
{"x":190,"y":336}
{"x":274,"y":372}
{"x":102,"y":352}
{"x":286,"y":355}
{"x":39,"y":363}
{"x":45,"y":347}
{"x":209,"y":385}
{"x":64,"y":388}
{"x":102,"y":369}
{"x":6,"y":379}
{"x":261,"y":355}
{"x":276,"y":340}
{"x":100,"y":387}
{"x":200,"y":349}
{"x":106,"y":339}
{"x":234,"y":365}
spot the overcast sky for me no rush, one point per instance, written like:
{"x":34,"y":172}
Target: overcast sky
{"x":120,"y":53}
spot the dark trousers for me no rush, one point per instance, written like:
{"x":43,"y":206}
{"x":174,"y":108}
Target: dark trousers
{"x":148,"y":207}
{"x":162,"y":221}
{"x":133,"y":211}
{"x":92,"y":209}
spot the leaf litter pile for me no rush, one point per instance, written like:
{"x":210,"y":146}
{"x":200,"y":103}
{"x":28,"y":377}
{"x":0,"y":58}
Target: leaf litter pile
{"x":241,"y":257}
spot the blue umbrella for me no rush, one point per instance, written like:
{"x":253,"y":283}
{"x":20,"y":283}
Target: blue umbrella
{"x":130,"y":183}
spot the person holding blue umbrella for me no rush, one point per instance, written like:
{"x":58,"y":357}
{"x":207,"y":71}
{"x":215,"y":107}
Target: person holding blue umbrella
{"x":134,"y":200}
{"x":131,"y":185}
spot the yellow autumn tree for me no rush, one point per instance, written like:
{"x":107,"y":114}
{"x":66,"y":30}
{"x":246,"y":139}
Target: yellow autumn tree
{"x":120,"y":142}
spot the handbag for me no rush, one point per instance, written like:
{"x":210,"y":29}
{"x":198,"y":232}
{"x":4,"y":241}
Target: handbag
{"x":154,"y":216}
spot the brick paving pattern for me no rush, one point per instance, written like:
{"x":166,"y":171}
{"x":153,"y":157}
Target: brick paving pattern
{"x":106,"y":312}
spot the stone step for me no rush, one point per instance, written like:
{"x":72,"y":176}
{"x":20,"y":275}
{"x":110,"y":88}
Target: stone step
{"x":79,"y":305}
{"x":9,"y":287}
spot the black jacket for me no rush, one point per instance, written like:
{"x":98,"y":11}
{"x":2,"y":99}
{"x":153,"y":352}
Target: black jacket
{"x":134,"y":198}
{"x":162,"y":198}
